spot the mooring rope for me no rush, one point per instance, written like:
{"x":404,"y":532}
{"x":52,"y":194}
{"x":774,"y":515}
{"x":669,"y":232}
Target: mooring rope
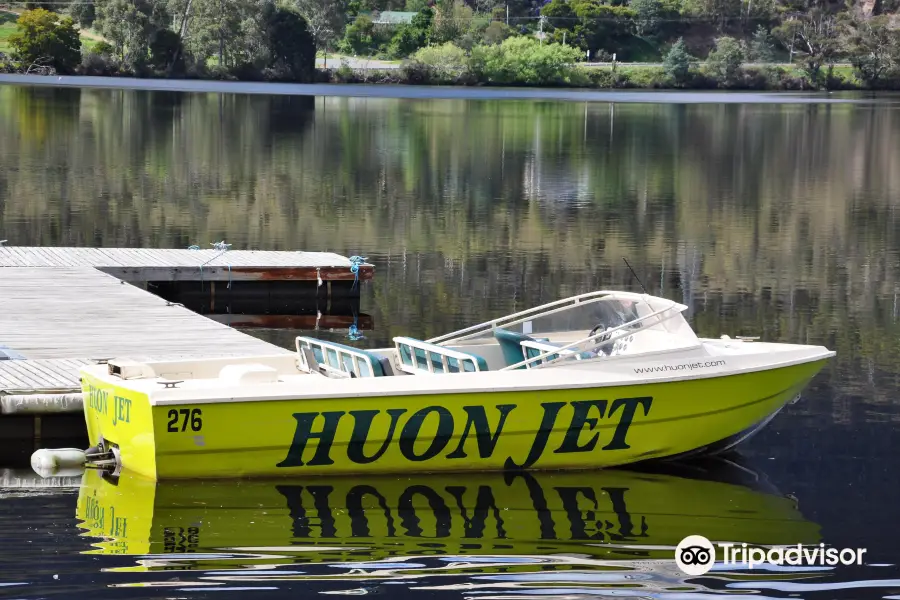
{"x":222,"y":247}
{"x":353,"y":332}
{"x":355,"y":261}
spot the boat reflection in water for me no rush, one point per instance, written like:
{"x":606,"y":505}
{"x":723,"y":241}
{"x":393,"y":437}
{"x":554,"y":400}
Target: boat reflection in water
{"x":595,"y":533}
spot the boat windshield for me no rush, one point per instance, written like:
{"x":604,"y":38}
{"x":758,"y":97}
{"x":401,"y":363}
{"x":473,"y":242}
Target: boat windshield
{"x":575,"y":318}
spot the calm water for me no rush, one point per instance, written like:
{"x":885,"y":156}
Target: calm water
{"x":775,"y":220}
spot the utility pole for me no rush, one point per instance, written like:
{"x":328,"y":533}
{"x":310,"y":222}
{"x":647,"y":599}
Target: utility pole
{"x":507,"y":15}
{"x":541,"y":34}
{"x":564,"y":37}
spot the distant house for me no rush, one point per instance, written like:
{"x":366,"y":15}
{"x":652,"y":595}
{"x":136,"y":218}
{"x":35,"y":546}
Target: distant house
{"x":394,"y":17}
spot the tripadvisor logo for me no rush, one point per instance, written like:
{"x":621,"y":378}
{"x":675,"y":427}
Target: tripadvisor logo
{"x":695,"y":555}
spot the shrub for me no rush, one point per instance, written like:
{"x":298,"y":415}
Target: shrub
{"x":445,"y":63}
{"x":103,"y":48}
{"x":724,"y":62}
{"x":678,"y":64}
{"x":99,"y":64}
{"x":6,"y":65}
{"x":645,"y":77}
{"x":522,"y":60}
{"x":44,"y":37}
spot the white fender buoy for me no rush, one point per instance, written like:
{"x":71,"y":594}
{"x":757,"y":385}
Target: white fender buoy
{"x":46,"y":462}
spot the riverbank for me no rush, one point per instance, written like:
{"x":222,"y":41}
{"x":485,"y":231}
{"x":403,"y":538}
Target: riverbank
{"x":369,"y":90}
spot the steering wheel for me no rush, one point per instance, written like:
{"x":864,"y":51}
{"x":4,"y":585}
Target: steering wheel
{"x":597,"y":329}
{"x":602,"y":350}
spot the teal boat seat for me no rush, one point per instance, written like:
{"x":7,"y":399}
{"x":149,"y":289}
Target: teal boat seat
{"x":417,"y":356}
{"x":511,"y":346}
{"x":327,"y":354}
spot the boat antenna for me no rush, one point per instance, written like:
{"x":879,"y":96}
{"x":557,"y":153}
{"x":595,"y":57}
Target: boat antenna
{"x":635,"y":275}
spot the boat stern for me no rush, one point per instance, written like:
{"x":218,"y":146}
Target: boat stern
{"x":119,"y":420}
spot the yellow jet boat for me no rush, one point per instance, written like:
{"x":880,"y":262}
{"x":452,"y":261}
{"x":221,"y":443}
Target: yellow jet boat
{"x":596,"y":380}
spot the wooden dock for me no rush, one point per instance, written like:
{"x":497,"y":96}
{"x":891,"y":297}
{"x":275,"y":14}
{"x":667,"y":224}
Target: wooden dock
{"x":79,"y":312}
{"x":139,"y":265}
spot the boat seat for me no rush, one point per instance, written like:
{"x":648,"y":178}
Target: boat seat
{"x":511,"y":345}
{"x":340,"y":357}
{"x":514,"y":351}
{"x":418,"y":357}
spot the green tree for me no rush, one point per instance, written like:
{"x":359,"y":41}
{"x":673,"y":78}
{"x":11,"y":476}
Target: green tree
{"x":46,"y":38}
{"x":592,"y":25}
{"x":815,"y":38}
{"x":48,"y":6}
{"x":129,"y":25}
{"x":719,"y":12}
{"x":762,"y":47}
{"x":83,"y":12}
{"x":325,"y":19}
{"x":411,"y":36}
{"x":649,"y":15}
{"x":166,"y":52}
{"x":874,"y":49}
{"x":496,"y":32}
{"x":360,"y":37}
{"x":725,"y":61}
{"x":452,"y":18}
{"x":678,"y":63}
{"x":292,"y":48}
{"x":230,"y":31}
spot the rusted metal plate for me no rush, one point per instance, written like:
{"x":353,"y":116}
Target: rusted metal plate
{"x":132,"y":274}
{"x":363,"y":322}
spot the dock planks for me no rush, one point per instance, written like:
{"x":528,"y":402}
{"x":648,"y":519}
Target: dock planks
{"x":152,"y":264}
{"x":78,"y":314}
{"x":44,"y":376}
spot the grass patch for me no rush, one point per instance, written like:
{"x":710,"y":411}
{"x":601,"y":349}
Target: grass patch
{"x":7,"y":28}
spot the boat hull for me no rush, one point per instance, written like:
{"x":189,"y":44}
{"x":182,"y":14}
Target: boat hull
{"x":485,"y":431}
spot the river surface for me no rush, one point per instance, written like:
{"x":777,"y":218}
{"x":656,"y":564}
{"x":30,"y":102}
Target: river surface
{"x":767,"y":219}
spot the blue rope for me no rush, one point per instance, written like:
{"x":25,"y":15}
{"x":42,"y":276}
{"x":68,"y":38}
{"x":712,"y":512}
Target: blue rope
{"x":353,"y":333}
{"x":355,"y":261}
{"x":222,"y":247}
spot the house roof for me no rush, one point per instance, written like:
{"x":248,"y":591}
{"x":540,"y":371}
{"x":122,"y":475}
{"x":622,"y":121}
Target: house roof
{"x":394,"y":17}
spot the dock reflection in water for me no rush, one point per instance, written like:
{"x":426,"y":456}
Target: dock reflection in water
{"x":608,"y":532}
